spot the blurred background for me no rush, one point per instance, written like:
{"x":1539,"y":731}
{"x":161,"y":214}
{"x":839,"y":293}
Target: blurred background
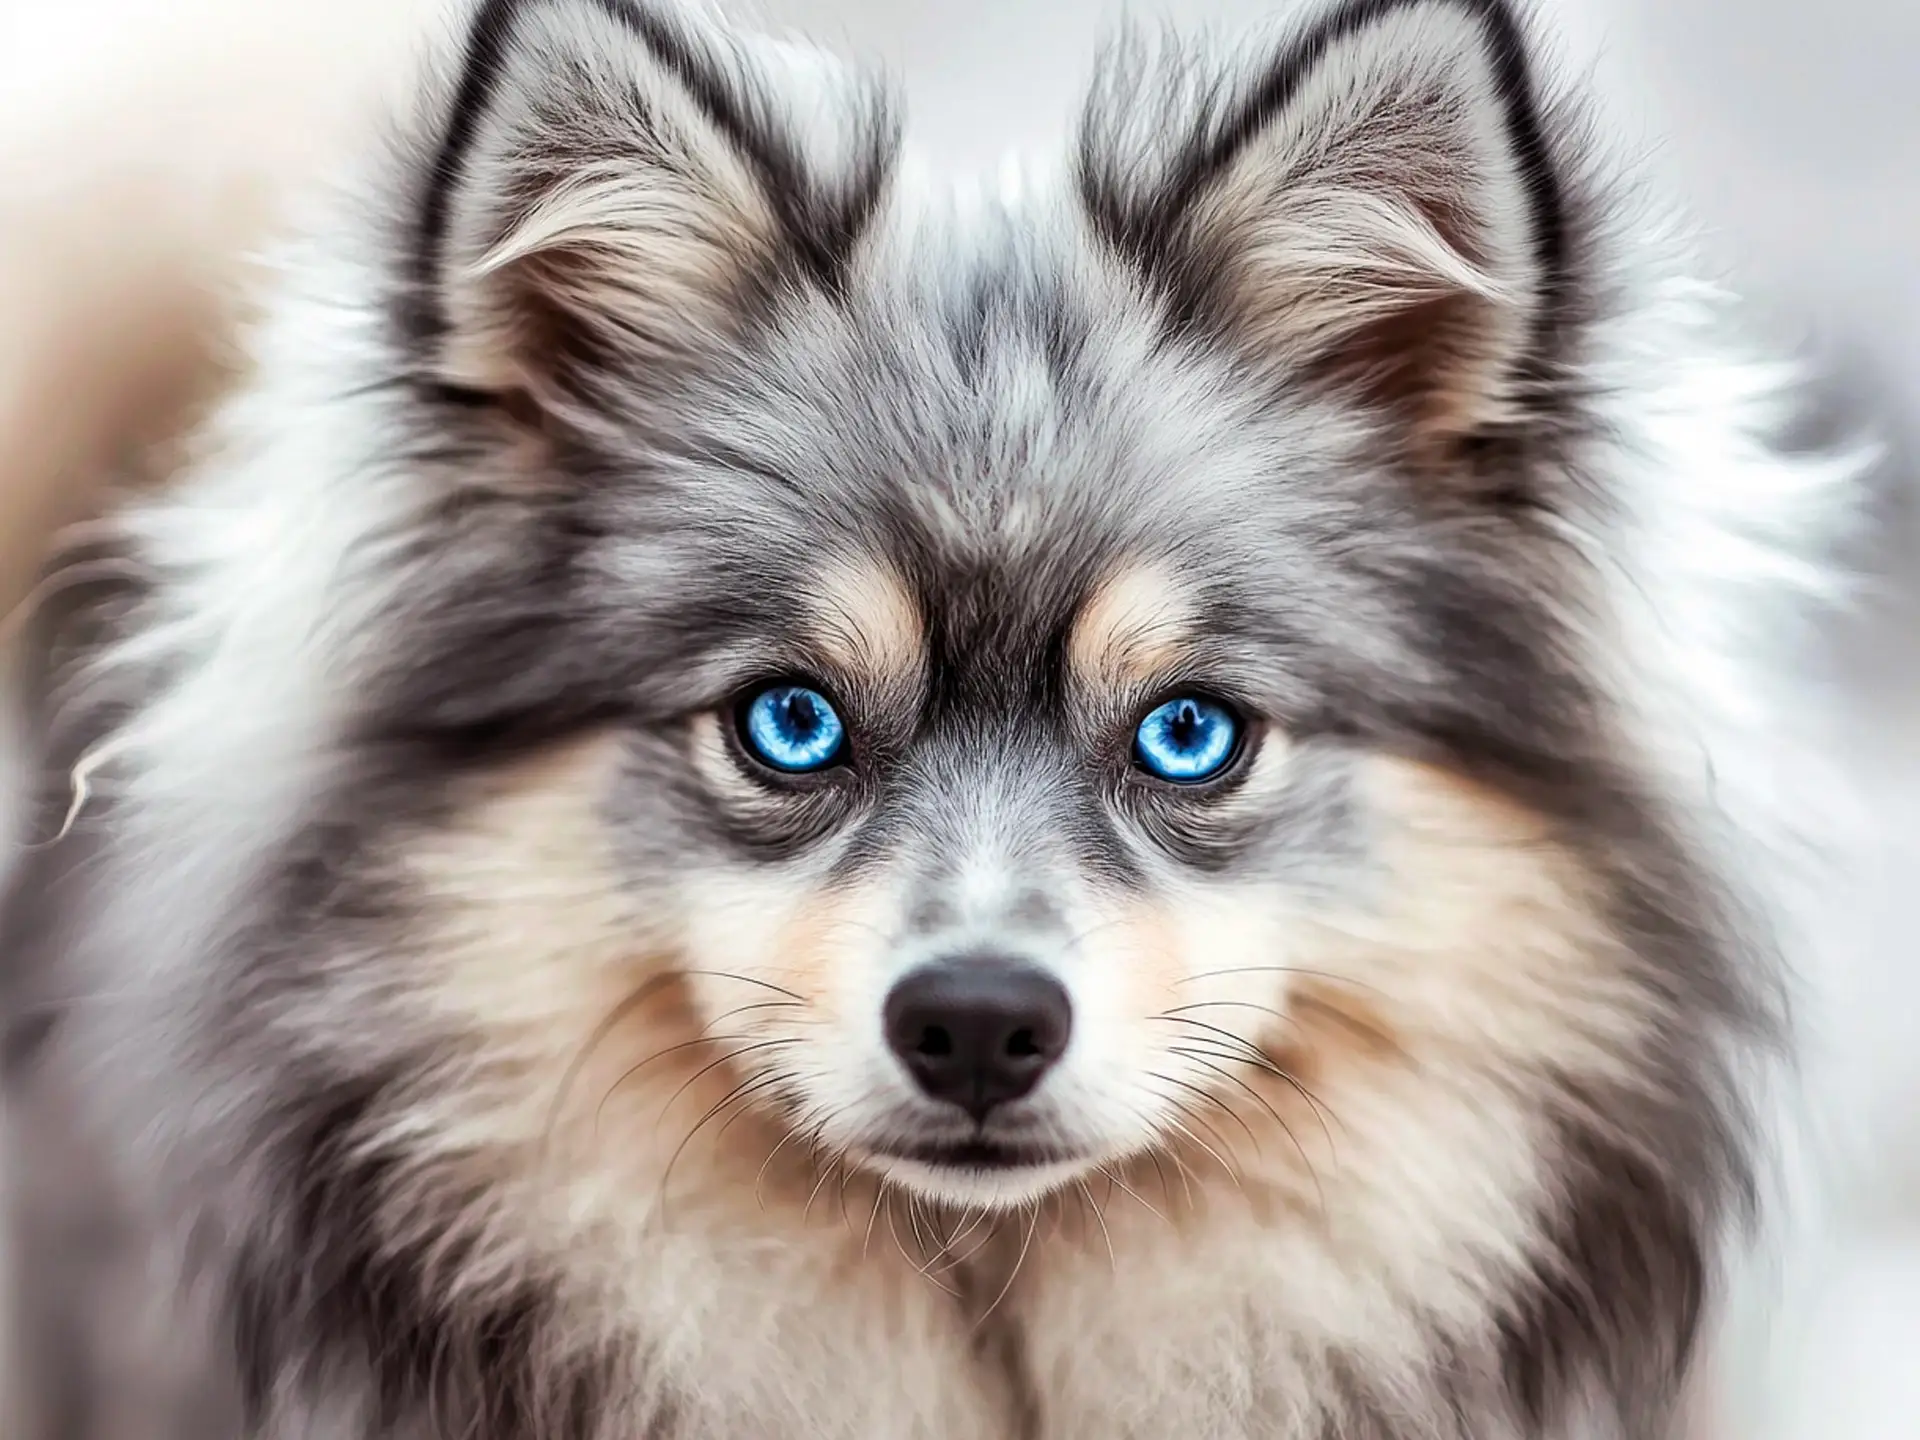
{"x":1792,"y":127}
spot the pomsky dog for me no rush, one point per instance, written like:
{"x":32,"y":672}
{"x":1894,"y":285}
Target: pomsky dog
{"x":725,"y":797}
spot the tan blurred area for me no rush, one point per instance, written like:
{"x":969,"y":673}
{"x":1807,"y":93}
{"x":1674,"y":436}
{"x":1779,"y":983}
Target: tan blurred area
{"x":145,"y":145}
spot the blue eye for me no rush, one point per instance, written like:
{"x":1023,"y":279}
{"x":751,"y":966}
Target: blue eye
{"x":792,"y":728}
{"x":1187,"y":740}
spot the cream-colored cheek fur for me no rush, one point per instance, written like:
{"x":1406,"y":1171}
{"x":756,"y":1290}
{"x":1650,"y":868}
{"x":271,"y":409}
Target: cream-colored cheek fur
{"x":1372,"y":1152}
{"x":584,"y":1083}
{"x":1341,"y":1155}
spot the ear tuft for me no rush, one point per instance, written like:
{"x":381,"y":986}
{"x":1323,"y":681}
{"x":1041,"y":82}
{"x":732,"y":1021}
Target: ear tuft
{"x":1373,"y":210}
{"x":617,"y":182}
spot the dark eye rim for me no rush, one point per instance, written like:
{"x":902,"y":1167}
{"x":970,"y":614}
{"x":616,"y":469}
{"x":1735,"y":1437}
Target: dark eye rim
{"x":755,"y":764}
{"x":1246,"y":740}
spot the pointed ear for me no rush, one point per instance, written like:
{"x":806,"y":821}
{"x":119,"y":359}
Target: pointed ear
{"x":1372,"y":209}
{"x":616,"y":184}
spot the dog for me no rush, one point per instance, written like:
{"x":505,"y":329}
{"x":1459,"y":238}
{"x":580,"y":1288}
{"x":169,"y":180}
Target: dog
{"x":723,"y":796}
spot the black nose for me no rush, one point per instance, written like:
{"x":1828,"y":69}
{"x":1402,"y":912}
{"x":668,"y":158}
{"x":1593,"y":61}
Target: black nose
{"x":978,"y":1031}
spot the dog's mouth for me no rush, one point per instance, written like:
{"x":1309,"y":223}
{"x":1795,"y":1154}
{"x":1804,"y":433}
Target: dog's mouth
{"x":979,"y":1170}
{"x":978,"y":1153}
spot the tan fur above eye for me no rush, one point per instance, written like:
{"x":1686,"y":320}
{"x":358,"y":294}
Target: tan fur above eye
{"x":866,"y":620}
{"x":1130,"y":631}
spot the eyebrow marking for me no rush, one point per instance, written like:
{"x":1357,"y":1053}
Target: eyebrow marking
{"x":867,"y":621}
{"x":1132,"y":628}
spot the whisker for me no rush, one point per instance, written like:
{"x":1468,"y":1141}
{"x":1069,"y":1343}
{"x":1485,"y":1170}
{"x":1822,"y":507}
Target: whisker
{"x":1305,"y":1159}
{"x":826,"y":1173}
{"x":1230,"y":1005}
{"x":1237,"y":1045}
{"x":1206,"y":1058}
{"x":846,"y":1179}
{"x":1132,"y":1194}
{"x":1217,"y":1034}
{"x":1113,"y":1265}
{"x":660,"y":1054}
{"x":758,"y":1005}
{"x":1081,"y":936}
{"x":779,"y":1081}
{"x":713,"y":1065}
{"x":1214,"y":1100}
{"x":913,"y":1223}
{"x":1232,"y":1174}
{"x":750,"y":980}
{"x":931,"y":1269}
{"x":760,"y":1175}
{"x":1020,"y":1261}
{"x":1160,"y":1172}
{"x":879,"y":1196}
{"x":600,"y":1032}
{"x":921,"y":1270}
{"x":981,"y":1216}
{"x":739,"y":1092}
{"x":1187,"y":1177}
{"x":1255,"y":1057}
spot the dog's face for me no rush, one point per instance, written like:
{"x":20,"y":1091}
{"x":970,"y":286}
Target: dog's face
{"x":1065,"y":681}
{"x":1002,"y":772}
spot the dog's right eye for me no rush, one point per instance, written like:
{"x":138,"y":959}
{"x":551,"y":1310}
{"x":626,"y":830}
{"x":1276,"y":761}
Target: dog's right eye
{"x":792,"y":728}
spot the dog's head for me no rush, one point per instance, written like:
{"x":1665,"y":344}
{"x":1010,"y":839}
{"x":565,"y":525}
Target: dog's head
{"x":985,"y":698}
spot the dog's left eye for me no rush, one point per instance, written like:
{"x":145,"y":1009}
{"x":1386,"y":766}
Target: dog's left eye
{"x":792,"y":728}
{"x":1187,"y":740}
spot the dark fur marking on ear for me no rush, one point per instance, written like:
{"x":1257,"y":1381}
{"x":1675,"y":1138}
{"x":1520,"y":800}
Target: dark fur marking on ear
{"x":823,"y":234}
{"x":1143,"y":230}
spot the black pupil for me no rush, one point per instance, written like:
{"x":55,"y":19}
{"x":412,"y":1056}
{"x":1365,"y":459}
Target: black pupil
{"x":803,"y":715}
{"x":1185,"y":728}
